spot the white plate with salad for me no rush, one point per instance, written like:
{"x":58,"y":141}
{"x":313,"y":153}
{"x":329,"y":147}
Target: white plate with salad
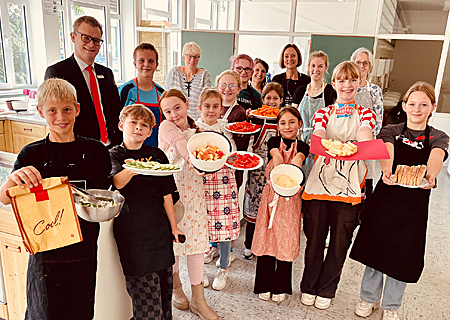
{"x":151,"y":168}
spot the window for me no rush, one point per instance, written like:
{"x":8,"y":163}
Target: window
{"x":61,"y":34}
{"x":214,"y":14}
{"x":161,"y":10}
{"x":331,"y":18}
{"x":14,"y":53}
{"x":267,"y":48}
{"x":110,"y":17}
{"x":265,"y":16}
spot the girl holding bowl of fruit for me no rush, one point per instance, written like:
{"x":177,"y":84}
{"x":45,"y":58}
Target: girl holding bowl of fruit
{"x":221,"y":192}
{"x":174,"y":134}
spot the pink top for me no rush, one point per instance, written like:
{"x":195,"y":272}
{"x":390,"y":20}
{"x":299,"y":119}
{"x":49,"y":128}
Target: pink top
{"x":169,"y":135}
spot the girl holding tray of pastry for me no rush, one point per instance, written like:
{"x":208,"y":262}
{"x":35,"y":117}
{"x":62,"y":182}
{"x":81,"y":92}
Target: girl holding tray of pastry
{"x":272,"y":95}
{"x":391,"y":239}
{"x":333,"y":192}
{"x":276,"y":240}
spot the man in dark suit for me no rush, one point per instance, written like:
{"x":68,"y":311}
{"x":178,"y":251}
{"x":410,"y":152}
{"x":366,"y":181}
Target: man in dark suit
{"x":96,"y":89}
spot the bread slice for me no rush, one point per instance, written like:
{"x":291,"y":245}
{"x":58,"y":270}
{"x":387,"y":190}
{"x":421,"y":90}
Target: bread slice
{"x":395,"y":176}
{"x":421,"y":173}
{"x":400,"y":173}
{"x":415,"y":170}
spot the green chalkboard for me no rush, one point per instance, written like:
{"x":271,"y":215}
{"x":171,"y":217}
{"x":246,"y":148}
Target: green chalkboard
{"x":217,"y":48}
{"x":339,"y":48}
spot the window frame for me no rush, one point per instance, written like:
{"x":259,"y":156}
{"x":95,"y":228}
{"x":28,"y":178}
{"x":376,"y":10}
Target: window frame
{"x":6,"y":45}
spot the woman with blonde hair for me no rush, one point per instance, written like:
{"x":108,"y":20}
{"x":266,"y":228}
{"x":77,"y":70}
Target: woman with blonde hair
{"x":189,"y":79}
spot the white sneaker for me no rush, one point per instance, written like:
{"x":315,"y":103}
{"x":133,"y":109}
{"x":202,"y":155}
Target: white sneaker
{"x":248,"y":255}
{"x":322,"y":303}
{"x":211,"y":254}
{"x":279,"y":297}
{"x":365,"y":309}
{"x":308,"y":299}
{"x":230,"y":260}
{"x":390,"y":315}
{"x":220,"y":280}
{"x":205,"y":280}
{"x":264,"y":296}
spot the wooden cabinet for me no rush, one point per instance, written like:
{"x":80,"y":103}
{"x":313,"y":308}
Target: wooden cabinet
{"x":14,"y":265}
{"x":14,"y":135}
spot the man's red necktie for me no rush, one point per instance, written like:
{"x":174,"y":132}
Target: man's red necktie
{"x":98,"y":107}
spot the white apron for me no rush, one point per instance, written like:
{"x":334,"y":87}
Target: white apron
{"x":338,"y":180}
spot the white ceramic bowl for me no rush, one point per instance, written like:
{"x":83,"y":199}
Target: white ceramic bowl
{"x":291,"y":170}
{"x":94,"y":214}
{"x":213,"y":138}
{"x":19,"y":105}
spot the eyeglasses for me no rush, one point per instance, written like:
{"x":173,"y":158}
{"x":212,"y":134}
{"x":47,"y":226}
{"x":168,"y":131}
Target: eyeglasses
{"x":364,"y":63}
{"x":240,"y":69}
{"x":86,"y":39}
{"x":191,"y":56}
{"x":223,"y":86}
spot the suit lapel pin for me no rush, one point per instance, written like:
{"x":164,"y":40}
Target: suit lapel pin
{"x":100,"y":76}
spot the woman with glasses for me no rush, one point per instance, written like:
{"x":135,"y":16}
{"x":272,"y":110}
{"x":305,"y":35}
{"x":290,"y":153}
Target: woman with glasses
{"x":248,"y":97}
{"x":369,"y":95}
{"x":291,"y":80}
{"x":189,"y":79}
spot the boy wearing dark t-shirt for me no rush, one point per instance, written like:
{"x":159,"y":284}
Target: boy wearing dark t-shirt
{"x":61,"y":282}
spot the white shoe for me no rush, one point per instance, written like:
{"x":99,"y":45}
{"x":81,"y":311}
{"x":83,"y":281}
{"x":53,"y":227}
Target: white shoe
{"x":390,"y":315}
{"x":322,"y":303}
{"x":279,"y":297}
{"x":248,"y":255}
{"x":265,"y":296}
{"x":308,"y":299}
{"x":365,"y":309}
{"x":220,"y":280}
{"x":205,"y":280}
{"x":230,"y":260}
{"x":211,"y":254}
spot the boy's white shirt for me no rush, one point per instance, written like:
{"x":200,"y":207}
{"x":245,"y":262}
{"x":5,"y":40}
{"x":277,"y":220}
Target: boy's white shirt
{"x":219,"y":126}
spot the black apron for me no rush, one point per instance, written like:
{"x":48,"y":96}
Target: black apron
{"x":142,"y":230}
{"x":65,"y":277}
{"x":392,"y":235}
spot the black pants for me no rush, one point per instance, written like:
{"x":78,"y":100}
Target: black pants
{"x":151,"y":295}
{"x":249,"y":231}
{"x":321,"y":276}
{"x":273,"y":276}
{"x":369,"y":188}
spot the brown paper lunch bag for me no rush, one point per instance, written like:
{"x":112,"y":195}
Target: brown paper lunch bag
{"x":46,"y":215}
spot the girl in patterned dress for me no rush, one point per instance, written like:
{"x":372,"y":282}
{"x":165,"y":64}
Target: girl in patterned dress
{"x":174,"y":133}
{"x":221,"y":192}
{"x":272,"y":95}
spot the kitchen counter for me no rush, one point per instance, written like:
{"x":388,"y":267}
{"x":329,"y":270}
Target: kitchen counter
{"x":33,"y":118}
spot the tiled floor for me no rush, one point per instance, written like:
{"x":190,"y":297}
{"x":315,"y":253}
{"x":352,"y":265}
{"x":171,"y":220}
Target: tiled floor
{"x":426,"y":300}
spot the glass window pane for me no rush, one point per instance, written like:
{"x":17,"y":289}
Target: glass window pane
{"x":226,"y":15}
{"x":257,"y":47}
{"x":330,"y":18}
{"x":99,"y":14}
{"x":19,"y":43}
{"x":203,"y":9}
{"x":116,"y":47}
{"x":259,"y":16}
{"x":114,"y":6}
{"x":303,"y":44}
{"x":162,"y":5}
{"x":61,"y":35}
{"x":204,"y":26}
{"x":414,"y":17}
{"x":2,"y":61}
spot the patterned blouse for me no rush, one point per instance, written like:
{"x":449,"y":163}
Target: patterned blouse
{"x":377,"y":104}
{"x":191,"y":89}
